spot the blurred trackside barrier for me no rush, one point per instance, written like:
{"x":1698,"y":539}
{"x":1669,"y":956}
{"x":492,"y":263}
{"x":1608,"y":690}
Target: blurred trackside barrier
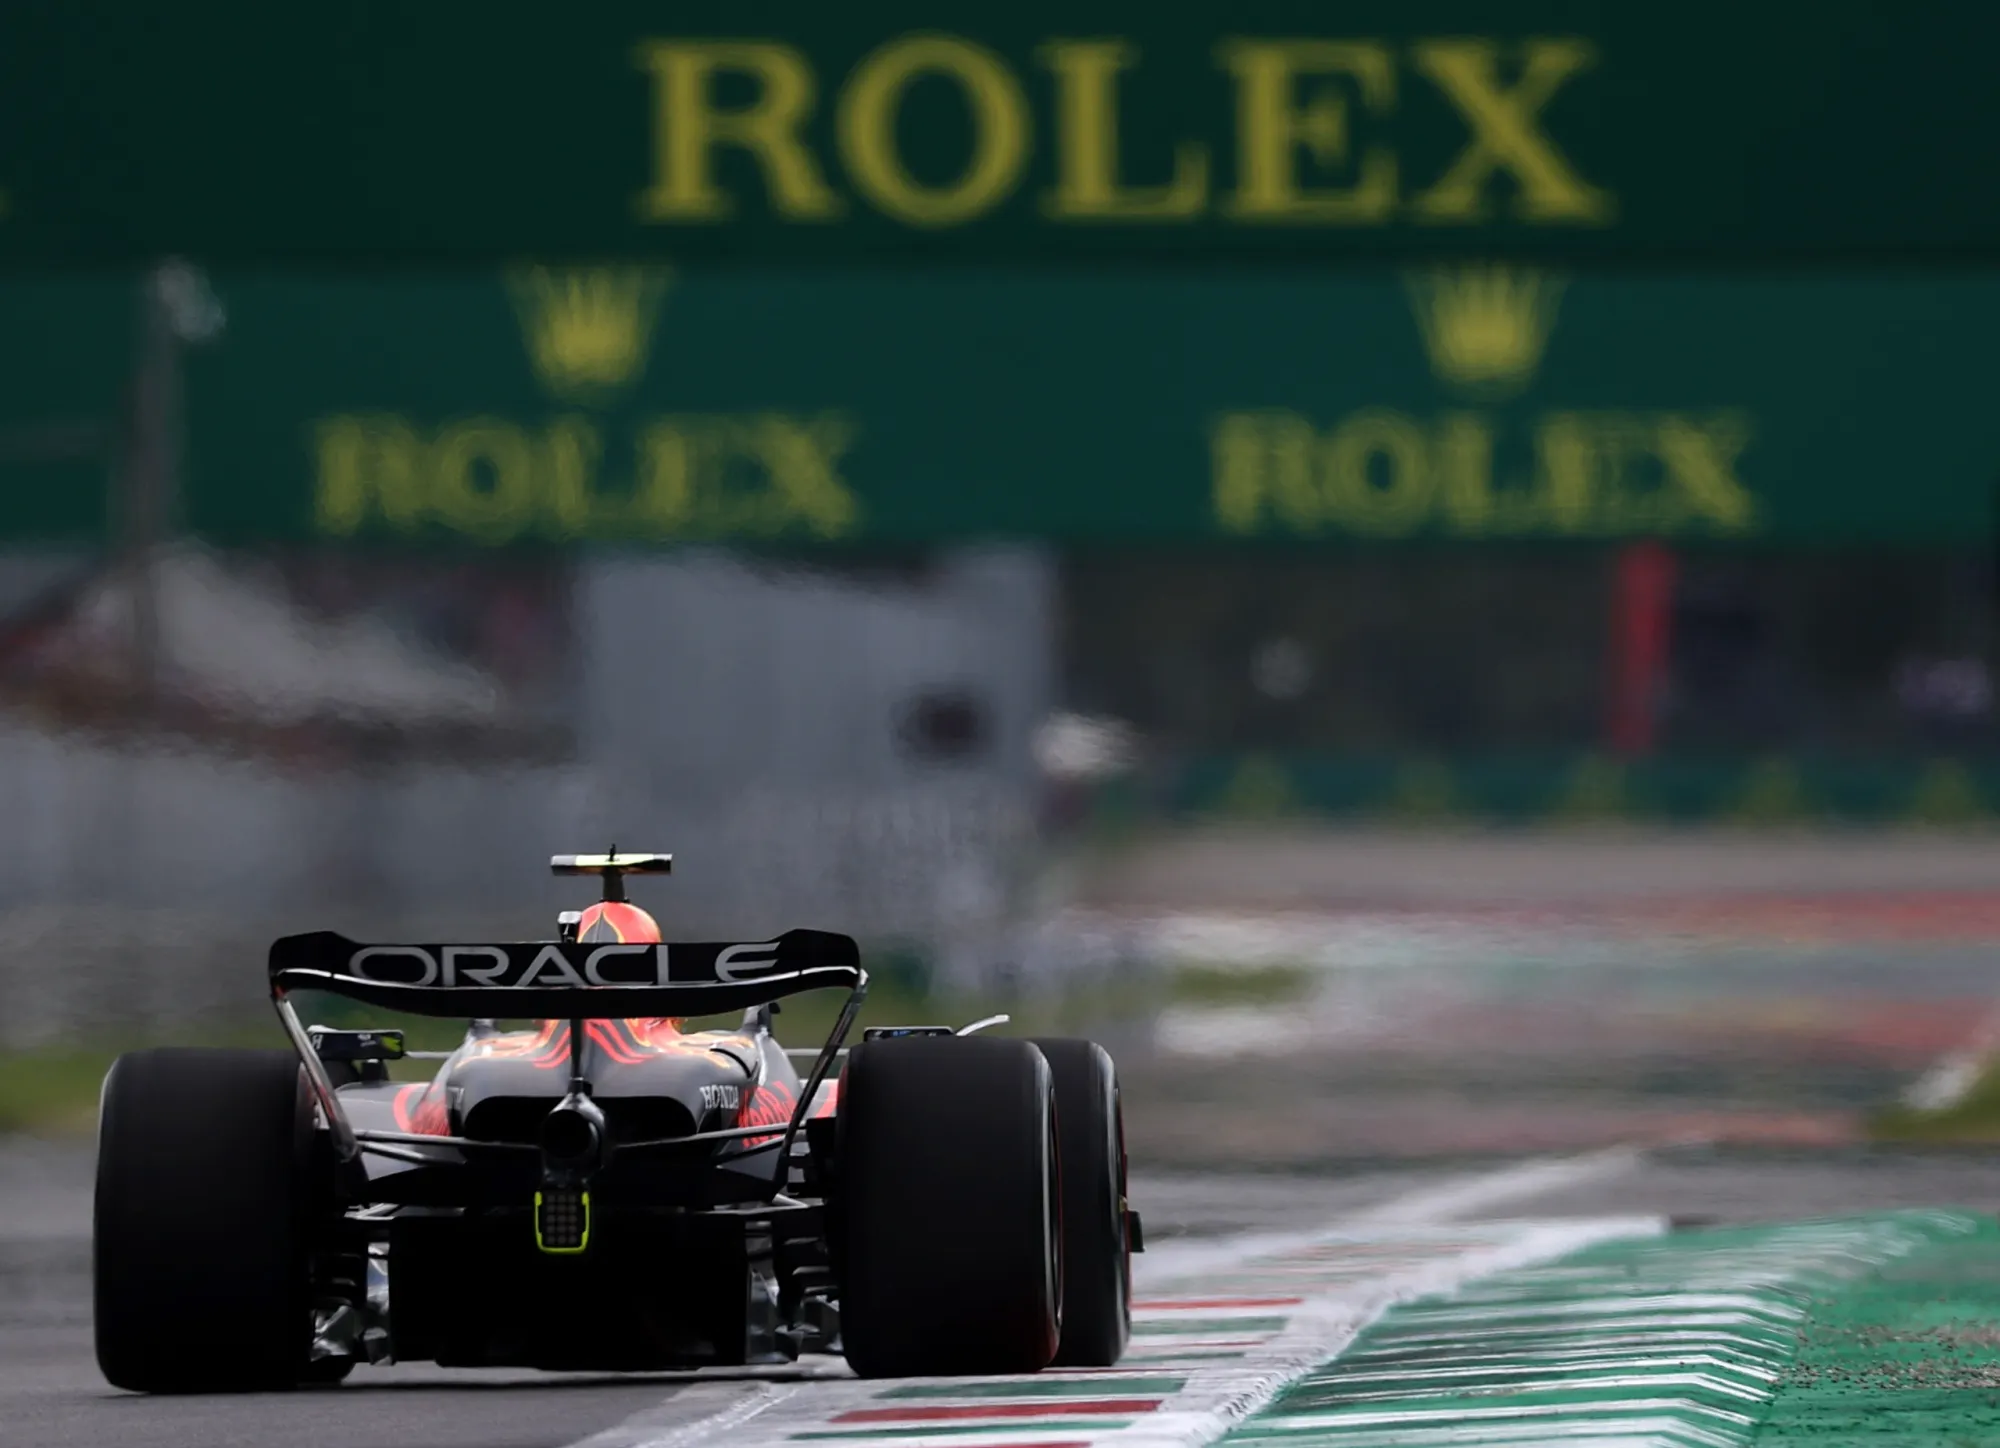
{"x":1775,"y":790}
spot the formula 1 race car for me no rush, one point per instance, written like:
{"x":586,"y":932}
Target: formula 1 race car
{"x":606,"y":1190}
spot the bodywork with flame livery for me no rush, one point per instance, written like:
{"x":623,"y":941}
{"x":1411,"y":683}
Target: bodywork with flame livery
{"x":650,"y":1077}
{"x":599,"y":1187}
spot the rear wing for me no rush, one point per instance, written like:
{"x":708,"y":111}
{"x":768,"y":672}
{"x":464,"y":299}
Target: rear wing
{"x":566,"y":979}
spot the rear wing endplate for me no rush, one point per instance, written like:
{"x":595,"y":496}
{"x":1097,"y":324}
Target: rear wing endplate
{"x":567,"y":979}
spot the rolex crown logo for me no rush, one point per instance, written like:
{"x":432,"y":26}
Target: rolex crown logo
{"x":588,"y":331}
{"x":1485,"y":326}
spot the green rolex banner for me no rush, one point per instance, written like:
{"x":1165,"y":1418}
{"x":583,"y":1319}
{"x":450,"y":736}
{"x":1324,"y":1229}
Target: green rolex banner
{"x":1484,"y":401}
{"x":371,"y":132}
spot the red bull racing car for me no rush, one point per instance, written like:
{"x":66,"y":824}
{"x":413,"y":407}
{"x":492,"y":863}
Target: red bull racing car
{"x":606,"y":1190}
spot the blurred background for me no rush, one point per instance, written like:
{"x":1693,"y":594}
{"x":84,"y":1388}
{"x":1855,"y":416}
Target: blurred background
{"x":1435,"y":593}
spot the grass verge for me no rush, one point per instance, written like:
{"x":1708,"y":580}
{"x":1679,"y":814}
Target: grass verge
{"x":1250,"y":985}
{"x":1972,"y":1119}
{"x":51,"y":1091}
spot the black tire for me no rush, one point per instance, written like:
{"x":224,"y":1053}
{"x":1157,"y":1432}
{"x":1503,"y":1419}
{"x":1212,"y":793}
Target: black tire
{"x":202,"y":1222}
{"x":949,"y":1245}
{"x":1097,"y":1264}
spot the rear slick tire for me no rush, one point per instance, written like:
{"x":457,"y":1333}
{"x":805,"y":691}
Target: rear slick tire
{"x":199,"y":1256}
{"x":1097,"y":1264}
{"x":950,"y":1235}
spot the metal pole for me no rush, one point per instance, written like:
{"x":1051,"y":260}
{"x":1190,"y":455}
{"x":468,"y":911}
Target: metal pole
{"x":176,"y":309}
{"x":147,"y":495}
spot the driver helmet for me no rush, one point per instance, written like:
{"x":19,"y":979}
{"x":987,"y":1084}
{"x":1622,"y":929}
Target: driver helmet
{"x":614,"y":922}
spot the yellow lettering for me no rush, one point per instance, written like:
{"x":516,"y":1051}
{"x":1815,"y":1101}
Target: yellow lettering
{"x":1621,"y":473}
{"x":570,"y":455}
{"x":1263,"y":457}
{"x":802,"y":456}
{"x":872,"y":101}
{"x":665,"y":499}
{"x":733,"y":493}
{"x":1396,"y":503}
{"x":1463,"y":453}
{"x":483,"y":480}
{"x":1567,"y":471}
{"x":696,"y":475}
{"x":1271,"y":128}
{"x":688,"y":129}
{"x":1590,"y":479}
{"x":1087,"y":186}
{"x":1384,"y":474}
{"x":1700,"y":462}
{"x":1504,"y":133}
{"x":718,"y":476}
{"x":1627,"y":499}
{"x":364,"y":463}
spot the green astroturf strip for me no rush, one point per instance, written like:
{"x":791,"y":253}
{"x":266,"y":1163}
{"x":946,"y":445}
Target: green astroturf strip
{"x":1907,"y":1358}
{"x":1676,"y":1341}
{"x":1122,"y":1385}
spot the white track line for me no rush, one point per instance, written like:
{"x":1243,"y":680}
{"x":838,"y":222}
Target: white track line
{"x":1325,"y":1327}
{"x":1454,"y":1201}
{"x":1451,"y":1200}
{"x":668,"y":1426}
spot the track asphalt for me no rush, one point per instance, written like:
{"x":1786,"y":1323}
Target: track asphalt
{"x":1254,"y":1282}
